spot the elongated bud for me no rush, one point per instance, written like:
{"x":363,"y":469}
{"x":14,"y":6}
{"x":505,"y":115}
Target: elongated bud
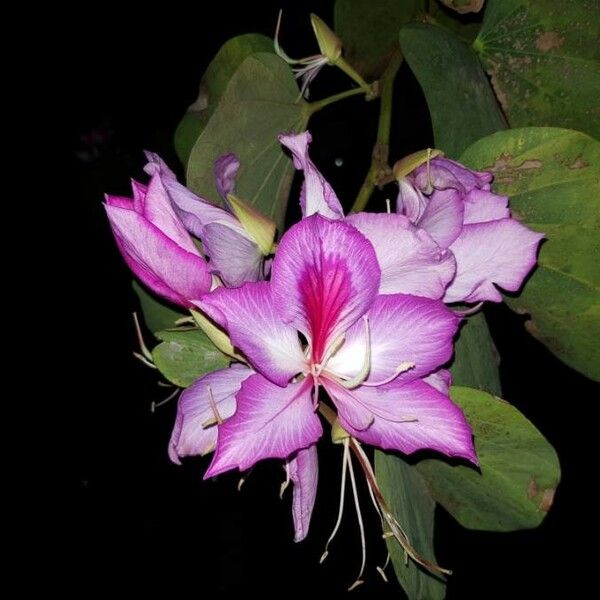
{"x":260,"y":228}
{"x":338,"y":433}
{"x":218,"y":337}
{"x":409,"y":163}
{"x":329,"y":43}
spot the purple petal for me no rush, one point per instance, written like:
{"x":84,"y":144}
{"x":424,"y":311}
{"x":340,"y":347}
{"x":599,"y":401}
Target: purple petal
{"x":481,"y":206}
{"x":226,"y":168}
{"x":500,"y":252}
{"x":403,"y":329}
{"x":317,"y":195}
{"x":233,"y":257}
{"x":270,"y":422}
{"x":303,"y":470}
{"x":167,"y":269}
{"x":325,"y":276}
{"x":156,"y":164}
{"x":411,"y":262}
{"x":443,"y":173}
{"x":443,"y":217}
{"x":248,"y":314}
{"x":207,"y":400}
{"x":406,"y":417}
{"x":440,"y":380}
{"x":410,"y":201}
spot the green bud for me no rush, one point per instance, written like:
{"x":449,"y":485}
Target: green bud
{"x":260,"y":228}
{"x":329,"y":43}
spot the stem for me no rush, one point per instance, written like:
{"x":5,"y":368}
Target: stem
{"x":379,"y":170}
{"x":352,"y":73}
{"x":314,"y":107}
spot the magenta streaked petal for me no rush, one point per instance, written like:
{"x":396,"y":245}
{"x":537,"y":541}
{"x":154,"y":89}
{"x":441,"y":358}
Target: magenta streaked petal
{"x":119,"y":201}
{"x":248,"y":314}
{"x":482,"y":206}
{"x":443,"y":173}
{"x":410,"y":201}
{"x":440,"y":380}
{"x":403,"y":329}
{"x":233,"y":257}
{"x":162,"y":265}
{"x":139,"y":195}
{"x":208,"y":400}
{"x":443,"y":217}
{"x":325,"y":276}
{"x":303,"y":470}
{"x":226,"y":168}
{"x":411,"y":262}
{"x":406,"y":417}
{"x":501,"y":253}
{"x":317,"y":196}
{"x":270,"y":422}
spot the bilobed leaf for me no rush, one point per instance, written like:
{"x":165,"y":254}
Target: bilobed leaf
{"x":369,"y":30}
{"x":464,"y":6}
{"x":553,"y":179}
{"x":414,"y":508}
{"x":185,"y":355}
{"x":543,"y":57}
{"x":157,"y":314}
{"x":260,"y":101}
{"x":212,"y":85}
{"x":460,"y":100}
{"x":466,"y":29}
{"x":519,"y":471}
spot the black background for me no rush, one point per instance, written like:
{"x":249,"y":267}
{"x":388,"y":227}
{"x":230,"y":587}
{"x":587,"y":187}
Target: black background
{"x":128,"y":519}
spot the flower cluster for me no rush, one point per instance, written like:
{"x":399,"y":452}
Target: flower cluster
{"x":348,"y":320}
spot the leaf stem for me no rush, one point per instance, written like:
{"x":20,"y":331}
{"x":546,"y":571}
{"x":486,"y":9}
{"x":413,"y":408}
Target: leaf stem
{"x":314,"y":107}
{"x":379,"y":171}
{"x":353,"y":74}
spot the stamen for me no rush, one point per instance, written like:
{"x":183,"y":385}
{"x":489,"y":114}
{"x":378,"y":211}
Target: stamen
{"x":217,"y":419}
{"x":360,"y":377}
{"x":401,"y":368}
{"x":146,"y":355}
{"x":345,"y":459}
{"x":381,"y":570}
{"x":388,"y":206}
{"x":285,"y":484}
{"x":155,"y":405}
{"x":360,"y":524}
{"x":333,"y":348}
{"x":468,"y":311}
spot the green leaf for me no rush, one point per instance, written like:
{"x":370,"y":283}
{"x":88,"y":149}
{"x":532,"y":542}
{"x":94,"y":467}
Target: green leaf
{"x":212,"y":85}
{"x":465,"y":29}
{"x":553,"y":179}
{"x":184,"y":355}
{"x":475,"y":357}
{"x":157,"y":314}
{"x":518,"y":475}
{"x":260,"y":101}
{"x":414,"y":508}
{"x":461,"y":102}
{"x":543,"y":57}
{"x":369,"y":31}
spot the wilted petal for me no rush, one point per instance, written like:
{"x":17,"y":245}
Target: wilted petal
{"x":303,"y":470}
{"x":441,"y":380}
{"x":403,"y":330}
{"x":207,"y":401}
{"x":317,"y":196}
{"x":410,"y":201}
{"x":158,"y":261}
{"x":498,"y":252}
{"x":411,"y":262}
{"x":443,"y":173}
{"x":233,"y":257}
{"x":270,"y":422}
{"x":226,"y":168}
{"x":443,"y":217}
{"x":248,"y":315}
{"x":406,"y":417}
{"x":324,"y":277}
{"x":482,"y":206}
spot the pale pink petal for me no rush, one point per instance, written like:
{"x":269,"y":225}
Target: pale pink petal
{"x":156,"y":164}
{"x":317,"y":195}
{"x":233,"y":256}
{"x":440,"y":380}
{"x":403,"y":330}
{"x":207,"y":401}
{"x":162,"y":265}
{"x":410,"y":202}
{"x":303,"y":470}
{"x":411,"y":262}
{"x":482,"y":206}
{"x":270,"y":422}
{"x":248,"y":315}
{"x":406,"y":417}
{"x":226,"y":168}
{"x":324,"y":277}
{"x":443,"y":173}
{"x":501,"y":253}
{"x":443,"y":217}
